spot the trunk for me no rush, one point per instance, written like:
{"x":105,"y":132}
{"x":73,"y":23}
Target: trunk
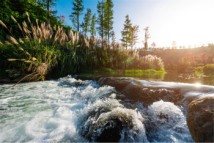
{"x":48,"y":8}
{"x":78,"y":23}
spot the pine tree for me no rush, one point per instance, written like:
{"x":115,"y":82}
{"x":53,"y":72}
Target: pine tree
{"x":100,"y":20}
{"x":93,"y":25}
{"x":47,"y":4}
{"x":108,"y":19}
{"x":87,"y":22}
{"x":133,"y":35}
{"x":113,"y":39}
{"x":77,"y":11}
{"x":5,"y":10}
{"x":146,"y":37}
{"x":126,"y":33}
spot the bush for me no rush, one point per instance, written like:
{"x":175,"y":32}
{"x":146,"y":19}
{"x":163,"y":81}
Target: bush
{"x":198,"y":72}
{"x":45,"y":49}
{"x":151,"y":62}
{"x":43,"y":45}
{"x":209,"y":69}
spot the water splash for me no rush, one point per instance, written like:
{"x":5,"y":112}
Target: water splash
{"x":166,"y":123}
{"x":71,"y":110}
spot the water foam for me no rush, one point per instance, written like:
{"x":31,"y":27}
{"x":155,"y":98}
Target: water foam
{"x":166,"y":123}
{"x":71,"y":110}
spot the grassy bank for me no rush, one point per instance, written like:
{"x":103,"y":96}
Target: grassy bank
{"x":44,"y":51}
{"x":49,"y":51}
{"x":106,"y":72}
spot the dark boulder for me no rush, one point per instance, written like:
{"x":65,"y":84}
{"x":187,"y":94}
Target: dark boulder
{"x":135,"y":91}
{"x":200,"y":119}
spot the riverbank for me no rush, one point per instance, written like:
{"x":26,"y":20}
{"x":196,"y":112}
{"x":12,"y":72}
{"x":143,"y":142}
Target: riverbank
{"x":150,"y":75}
{"x":104,"y":72}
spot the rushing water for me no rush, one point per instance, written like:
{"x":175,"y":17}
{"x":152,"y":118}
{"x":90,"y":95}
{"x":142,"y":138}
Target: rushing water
{"x":70,"y":110}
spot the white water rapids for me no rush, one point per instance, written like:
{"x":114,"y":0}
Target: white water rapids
{"x":70,"y":110}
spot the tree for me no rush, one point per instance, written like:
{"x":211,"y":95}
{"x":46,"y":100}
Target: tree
{"x":62,"y":18}
{"x":92,"y":26}
{"x":18,"y":9}
{"x":133,"y":35}
{"x":126,"y":33}
{"x":153,"y":45}
{"x":108,"y":19}
{"x":146,"y":37}
{"x":77,"y":11}
{"x":100,"y":20}
{"x":5,"y":10}
{"x":86,"y":23}
{"x":113,"y":40}
{"x":46,"y":4}
{"x":174,"y":45}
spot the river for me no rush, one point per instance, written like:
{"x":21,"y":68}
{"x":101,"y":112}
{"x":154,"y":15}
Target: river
{"x":71,"y":110}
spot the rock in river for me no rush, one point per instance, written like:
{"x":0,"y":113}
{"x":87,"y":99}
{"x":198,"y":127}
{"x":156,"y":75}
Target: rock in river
{"x":136,"y":91}
{"x":200,"y":119}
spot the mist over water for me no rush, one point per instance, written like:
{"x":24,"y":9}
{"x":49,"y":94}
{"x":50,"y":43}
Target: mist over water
{"x":71,"y":110}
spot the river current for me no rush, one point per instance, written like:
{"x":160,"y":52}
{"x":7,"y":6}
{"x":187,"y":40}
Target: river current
{"x":71,"y":110}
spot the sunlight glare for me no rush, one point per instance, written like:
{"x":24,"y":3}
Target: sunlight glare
{"x":197,"y":84}
{"x":187,"y":22}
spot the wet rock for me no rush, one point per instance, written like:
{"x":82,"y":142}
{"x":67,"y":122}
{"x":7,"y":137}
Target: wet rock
{"x":200,"y":119}
{"x":135,"y":91}
{"x":109,"y":124}
{"x":118,"y":83}
{"x":111,"y":132}
{"x":13,"y":73}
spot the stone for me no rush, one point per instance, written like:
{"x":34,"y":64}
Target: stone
{"x":200,"y":119}
{"x":135,"y":91}
{"x":12,"y":74}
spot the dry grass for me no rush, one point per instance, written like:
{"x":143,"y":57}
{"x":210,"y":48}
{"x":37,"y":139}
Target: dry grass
{"x":42,"y":47}
{"x":42,"y":69}
{"x":37,"y":36}
{"x":2,"y":24}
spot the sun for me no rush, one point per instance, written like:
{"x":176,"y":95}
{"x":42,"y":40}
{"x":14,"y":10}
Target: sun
{"x":188,"y":22}
{"x":197,"y":84}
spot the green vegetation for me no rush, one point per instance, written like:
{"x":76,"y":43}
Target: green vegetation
{"x":34,"y":41}
{"x":63,"y":52}
{"x":86,"y":24}
{"x":209,"y":69}
{"x":147,"y":74}
{"x":76,"y":13}
{"x":51,"y":50}
{"x":129,"y":34}
{"x":198,"y":71}
{"x":185,"y":61}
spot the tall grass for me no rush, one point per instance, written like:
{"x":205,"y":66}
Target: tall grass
{"x":42,"y":49}
{"x":41,"y":44}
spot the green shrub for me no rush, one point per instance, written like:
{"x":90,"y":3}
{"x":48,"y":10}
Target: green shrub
{"x":198,"y":71}
{"x":43,"y":45}
{"x":209,"y":69}
{"x":151,"y":62}
{"x":50,"y":49}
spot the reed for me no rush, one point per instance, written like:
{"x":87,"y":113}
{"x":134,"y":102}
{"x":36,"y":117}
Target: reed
{"x":41,"y":44}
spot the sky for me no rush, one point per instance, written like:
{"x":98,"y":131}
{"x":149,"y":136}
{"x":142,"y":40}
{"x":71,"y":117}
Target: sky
{"x":189,"y":23}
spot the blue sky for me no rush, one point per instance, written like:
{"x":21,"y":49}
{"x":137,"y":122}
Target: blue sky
{"x":188,"y":22}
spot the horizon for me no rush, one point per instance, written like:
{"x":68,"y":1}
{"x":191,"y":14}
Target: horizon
{"x":180,"y":22}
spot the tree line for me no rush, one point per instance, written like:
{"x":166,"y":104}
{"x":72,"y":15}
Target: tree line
{"x":34,"y":40}
{"x":92,"y":24}
{"x":104,"y":21}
